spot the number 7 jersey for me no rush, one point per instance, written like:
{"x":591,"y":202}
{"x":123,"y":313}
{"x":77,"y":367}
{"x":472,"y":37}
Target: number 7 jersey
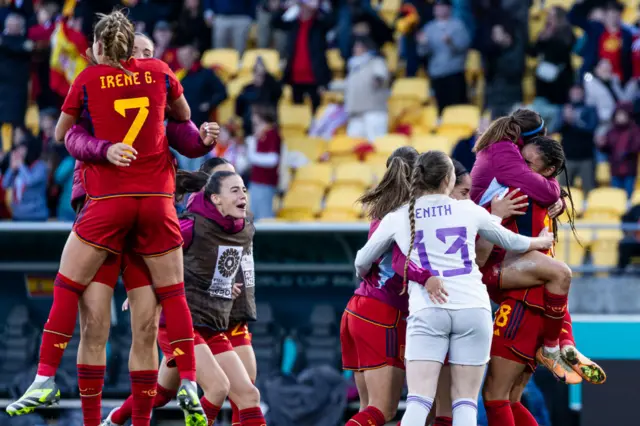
{"x":129,"y":109}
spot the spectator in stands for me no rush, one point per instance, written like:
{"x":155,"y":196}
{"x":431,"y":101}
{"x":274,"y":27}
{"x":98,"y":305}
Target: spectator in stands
{"x":365,"y":22}
{"x":231,"y":21}
{"x":629,"y":246}
{"x":163,"y":39}
{"x":446,"y":41}
{"x":366,"y":92}
{"x":579,"y":123}
{"x":608,"y":39}
{"x":40,"y":34}
{"x":192,"y":29}
{"x":263,"y":90}
{"x":264,"y":156}
{"x":231,"y":147}
{"x":307,"y":70}
{"x":409,"y":29}
{"x":268,"y":36}
{"x":463,"y":151}
{"x":47,"y":122}
{"x":15,"y":61}
{"x":63,"y":177}
{"x":622,"y":145}
{"x":27,"y":179}
{"x":554,"y":73}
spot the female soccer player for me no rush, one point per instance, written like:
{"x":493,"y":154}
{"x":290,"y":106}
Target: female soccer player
{"x":460,"y":325}
{"x":218,"y":253}
{"x":125,"y":100}
{"x":499,"y":160}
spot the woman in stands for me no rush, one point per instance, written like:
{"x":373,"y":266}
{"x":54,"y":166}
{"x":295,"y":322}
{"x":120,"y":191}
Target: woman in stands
{"x":456,"y":321}
{"x":218,"y":257}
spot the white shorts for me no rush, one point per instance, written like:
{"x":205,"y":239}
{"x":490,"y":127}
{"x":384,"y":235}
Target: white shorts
{"x":465,"y":334}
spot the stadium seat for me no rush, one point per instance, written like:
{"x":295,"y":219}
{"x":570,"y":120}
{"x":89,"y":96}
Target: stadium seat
{"x":318,"y":175}
{"x":270,"y":57}
{"x":301,"y":204}
{"x":473,"y":66}
{"x":386,"y":144}
{"x":336,"y":63}
{"x":266,"y":339}
{"x":413,"y":89}
{"x":320,"y":338}
{"x":424,"y":143}
{"x":389,"y":10}
{"x":611,"y":202}
{"x":390,"y":52}
{"x":635,"y":198}
{"x":311,"y":148}
{"x":226,"y":110}
{"x":379,"y":169}
{"x":356,"y":175}
{"x":578,"y":204}
{"x":604,"y":252}
{"x":603,"y":173}
{"x":294,"y":120}
{"x":7,"y":137}
{"x":342,"y":148}
{"x":568,"y":249}
{"x":19,"y":345}
{"x":460,"y":117}
{"x":32,"y":119}
{"x":343,"y":201}
{"x":226,"y":60}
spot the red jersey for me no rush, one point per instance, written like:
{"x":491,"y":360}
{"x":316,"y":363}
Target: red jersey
{"x":129,"y":109}
{"x":610,"y":48}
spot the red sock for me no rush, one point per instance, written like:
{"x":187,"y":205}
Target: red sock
{"x":522,"y":416}
{"x":566,"y":334}
{"x":499,"y":413}
{"x":123,"y":413}
{"x":179,"y":328}
{"x":59,"y":327}
{"x":555,"y":306}
{"x":369,"y":416}
{"x":90,"y":382}
{"x":144,"y":391}
{"x":252,"y":417}
{"x":210,"y":410}
{"x":443,"y":421}
{"x":235,"y":414}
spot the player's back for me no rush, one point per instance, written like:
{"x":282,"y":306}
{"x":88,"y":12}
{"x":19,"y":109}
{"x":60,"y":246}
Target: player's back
{"x":129,"y":108}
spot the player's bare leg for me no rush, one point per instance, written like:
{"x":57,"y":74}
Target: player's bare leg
{"x":95,"y":321}
{"x":521,"y":414}
{"x":496,"y":392}
{"x":465,"y":386}
{"x":422,"y":383}
{"x":443,"y":404}
{"x":78,"y":265}
{"x":532,"y":269}
{"x":248,"y":358}
{"x":168,"y":280}
{"x":243,"y":392}
{"x":363,"y":392}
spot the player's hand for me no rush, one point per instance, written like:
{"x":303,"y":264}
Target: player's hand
{"x":121,"y":154}
{"x":125,"y":305}
{"x":236,"y":290}
{"x":209,"y":133}
{"x":556,"y":209}
{"x":510,"y":205}
{"x":435,"y":288}
{"x":544,"y":241}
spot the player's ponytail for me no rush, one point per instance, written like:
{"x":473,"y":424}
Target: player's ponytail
{"x":393,"y":190}
{"x":521,"y":124}
{"x":188,"y":182}
{"x":117,"y":35}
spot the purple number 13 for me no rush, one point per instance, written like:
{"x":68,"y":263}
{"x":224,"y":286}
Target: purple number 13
{"x":459,"y":245}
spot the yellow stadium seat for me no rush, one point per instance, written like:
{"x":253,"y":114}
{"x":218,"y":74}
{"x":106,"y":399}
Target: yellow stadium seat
{"x":227,"y":60}
{"x":301,"y":204}
{"x":270,"y":57}
{"x":603,"y":173}
{"x":473,"y":66}
{"x":604,"y":252}
{"x":390,"y":52}
{"x":312,"y":148}
{"x":32,"y":119}
{"x":568,"y":250}
{"x":7,"y":137}
{"x":611,"y":202}
{"x":294,"y":120}
{"x":635,"y":198}
{"x":336,"y":63}
{"x":342,"y":147}
{"x":357,"y":176}
{"x":385,"y":145}
{"x":319,"y":175}
{"x":454,"y":135}
{"x":389,"y":10}
{"x":460,"y":117}
{"x":424,"y":143}
{"x":414,"y":89}
{"x":378,"y":169}
{"x":343,"y":201}
{"x":578,"y":204}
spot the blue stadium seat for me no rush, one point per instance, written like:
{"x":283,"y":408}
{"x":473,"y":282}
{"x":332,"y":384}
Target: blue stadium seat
{"x":18,"y":351}
{"x":320,"y":338}
{"x":267,"y":338}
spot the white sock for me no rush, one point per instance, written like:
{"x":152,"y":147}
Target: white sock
{"x":195,"y":385}
{"x":417,"y":411}
{"x":465,"y":412}
{"x":552,"y":349}
{"x":41,"y":379}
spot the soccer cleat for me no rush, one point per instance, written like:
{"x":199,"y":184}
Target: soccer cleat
{"x":39,"y":394}
{"x":554,"y":362}
{"x":587,"y":369}
{"x":190,"y":404}
{"x":108,"y":421}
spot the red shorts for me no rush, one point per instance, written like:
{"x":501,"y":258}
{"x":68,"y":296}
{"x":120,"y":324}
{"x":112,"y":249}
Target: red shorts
{"x":135,"y":273}
{"x":239,"y":335}
{"x":517,"y":332}
{"x":151,"y":221}
{"x":217,"y":342}
{"x":372,"y":335}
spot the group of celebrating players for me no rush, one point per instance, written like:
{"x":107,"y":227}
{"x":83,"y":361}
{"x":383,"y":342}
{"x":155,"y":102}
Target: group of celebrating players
{"x":432,"y":254}
{"x":457,"y":241}
{"x":195,"y":305}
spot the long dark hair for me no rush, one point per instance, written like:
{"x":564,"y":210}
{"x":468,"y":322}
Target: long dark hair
{"x":393,"y":190}
{"x":460,"y":170}
{"x":521,"y":124}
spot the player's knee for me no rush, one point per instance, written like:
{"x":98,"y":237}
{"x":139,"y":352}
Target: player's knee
{"x":94,"y":331}
{"x":562,"y":276}
{"x":145,"y":331}
{"x":491,"y":391}
{"x":249,"y":397}
{"x":216,"y":389}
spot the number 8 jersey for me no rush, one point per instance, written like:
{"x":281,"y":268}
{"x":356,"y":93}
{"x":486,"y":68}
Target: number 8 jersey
{"x":129,"y":109}
{"x":445,"y":235}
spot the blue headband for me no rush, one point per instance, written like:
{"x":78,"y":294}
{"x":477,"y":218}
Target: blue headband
{"x":536,"y":130}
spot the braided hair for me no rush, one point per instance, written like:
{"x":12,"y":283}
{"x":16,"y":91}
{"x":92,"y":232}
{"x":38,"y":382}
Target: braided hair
{"x":117,"y":35}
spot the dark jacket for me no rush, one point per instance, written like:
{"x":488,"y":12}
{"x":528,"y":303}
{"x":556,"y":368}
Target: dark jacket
{"x":577,"y":137}
{"x":623,"y":146}
{"x":556,"y":50}
{"x":15,"y":61}
{"x":232,"y":7}
{"x":267,"y":94}
{"x":202,"y":85}
{"x":323,"y":23}
{"x":593,"y":30}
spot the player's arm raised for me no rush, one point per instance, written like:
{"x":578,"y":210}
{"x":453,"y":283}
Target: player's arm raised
{"x":185,"y":137}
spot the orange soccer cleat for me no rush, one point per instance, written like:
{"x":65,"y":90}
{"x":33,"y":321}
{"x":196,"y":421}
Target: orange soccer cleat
{"x":587,"y":369}
{"x":554,"y":362}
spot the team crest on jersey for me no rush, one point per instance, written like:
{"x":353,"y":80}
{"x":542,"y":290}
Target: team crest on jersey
{"x":228,"y":262}
{"x":226,"y":269}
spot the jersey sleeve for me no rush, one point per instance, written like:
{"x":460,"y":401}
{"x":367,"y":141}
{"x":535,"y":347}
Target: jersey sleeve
{"x":494,"y":232}
{"x":174,"y":87}
{"x":73,"y":103}
{"x":378,"y":243}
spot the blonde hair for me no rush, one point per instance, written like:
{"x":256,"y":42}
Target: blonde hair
{"x":117,"y":35}
{"x":512,"y":128}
